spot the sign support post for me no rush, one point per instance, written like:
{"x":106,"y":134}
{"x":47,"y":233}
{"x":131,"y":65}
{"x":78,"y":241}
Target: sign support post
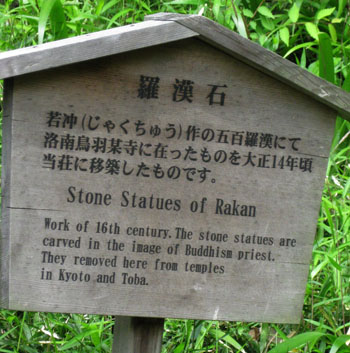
{"x":138,"y":335}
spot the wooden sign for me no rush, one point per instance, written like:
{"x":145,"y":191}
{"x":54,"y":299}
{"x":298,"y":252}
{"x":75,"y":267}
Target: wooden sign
{"x":169,"y":181}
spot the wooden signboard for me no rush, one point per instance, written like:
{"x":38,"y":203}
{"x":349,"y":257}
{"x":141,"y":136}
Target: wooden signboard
{"x":175,"y":180}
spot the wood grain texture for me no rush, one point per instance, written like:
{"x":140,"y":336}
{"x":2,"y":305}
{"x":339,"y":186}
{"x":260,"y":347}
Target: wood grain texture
{"x":264,"y":60}
{"x":105,"y":93}
{"x":90,"y":46}
{"x":138,"y":335}
{"x":6,"y":186}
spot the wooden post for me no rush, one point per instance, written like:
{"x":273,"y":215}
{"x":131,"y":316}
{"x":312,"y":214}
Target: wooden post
{"x":138,"y":335}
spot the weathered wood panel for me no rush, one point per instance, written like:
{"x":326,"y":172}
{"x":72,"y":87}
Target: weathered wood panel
{"x":174,"y":181}
{"x":5,"y":184}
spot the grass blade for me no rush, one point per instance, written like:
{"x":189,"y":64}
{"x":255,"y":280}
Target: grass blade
{"x":341,"y":7}
{"x":45,"y":11}
{"x":339,"y":342}
{"x":325,"y":57}
{"x":297,"y":341}
{"x":58,"y":21}
{"x":228,"y":339}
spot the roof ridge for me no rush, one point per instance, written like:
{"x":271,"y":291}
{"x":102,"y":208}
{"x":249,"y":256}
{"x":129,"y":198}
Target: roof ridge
{"x":162,"y":28}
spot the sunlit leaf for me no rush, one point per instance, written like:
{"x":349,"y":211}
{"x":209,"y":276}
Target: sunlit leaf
{"x":216,"y":8}
{"x":297,"y":47}
{"x":284,"y":34}
{"x":268,"y":23}
{"x":248,"y":13}
{"x":324,"y":13}
{"x":95,"y":338}
{"x":265,"y":11}
{"x":240,"y":25}
{"x":312,"y":30}
{"x":332,"y":32}
{"x":337,"y":20}
{"x":293,"y":13}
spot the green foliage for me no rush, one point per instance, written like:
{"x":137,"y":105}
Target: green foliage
{"x":38,"y":332}
{"x":313,"y":34}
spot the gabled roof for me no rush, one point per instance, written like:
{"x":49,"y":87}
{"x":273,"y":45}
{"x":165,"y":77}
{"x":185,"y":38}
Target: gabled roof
{"x":163,"y":28}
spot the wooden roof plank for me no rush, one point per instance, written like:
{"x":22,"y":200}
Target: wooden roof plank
{"x":90,"y":46}
{"x":264,"y":60}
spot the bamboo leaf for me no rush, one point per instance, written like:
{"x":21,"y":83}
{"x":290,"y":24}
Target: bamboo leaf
{"x":319,"y":267}
{"x":339,"y":342}
{"x":43,"y":17}
{"x":58,"y":21}
{"x":95,"y":335}
{"x":99,"y":7}
{"x":75,"y":341}
{"x":337,"y":20}
{"x":312,"y":30}
{"x":293,"y":13}
{"x":346,"y":83}
{"x":284,"y":34}
{"x":332,"y":32}
{"x":334,"y":263}
{"x":180,"y":348}
{"x":203,"y":332}
{"x":265,"y":11}
{"x":248,"y":13}
{"x":228,"y":339}
{"x":329,"y":217}
{"x":325,"y":57}
{"x":341,"y":6}
{"x":268,"y":23}
{"x":297,"y":341}
{"x":297,"y":47}
{"x":109,"y":5}
{"x":324,"y":13}
{"x":117,"y":16}
{"x":240,"y":25}
{"x":216,"y":8}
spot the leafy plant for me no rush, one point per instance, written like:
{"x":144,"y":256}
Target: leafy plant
{"x":314,"y":35}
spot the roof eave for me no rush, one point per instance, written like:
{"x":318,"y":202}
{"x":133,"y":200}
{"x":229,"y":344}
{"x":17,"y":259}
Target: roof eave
{"x":164,"y":28}
{"x":263,"y":60}
{"x":90,"y":46}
